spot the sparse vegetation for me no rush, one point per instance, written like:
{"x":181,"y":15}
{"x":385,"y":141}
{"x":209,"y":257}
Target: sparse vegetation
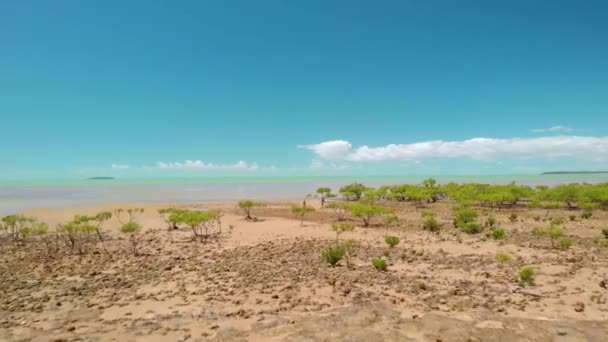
{"x":339,"y":208}
{"x":605,"y":232}
{"x":463,"y":216}
{"x":513,"y":217}
{"x":497,"y":233}
{"x":503,"y":257}
{"x":565,"y":242}
{"x":391,"y":241}
{"x":379,"y":264}
{"x":341,"y":227}
{"x":525,"y":276}
{"x":333,"y":254}
{"x":431,"y":224}
{"x":302,"y":210}
{"x":586,"y":214}
{"x":471,"y":228}
{"x":132,"y":228}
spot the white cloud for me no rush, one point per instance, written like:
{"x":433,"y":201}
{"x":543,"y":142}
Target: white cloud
{"x":553,"y":129}
{"x":200,"y":165}
{"x":120,"y":166}
{"x":330,"y":150}
{"x":590,"y":148}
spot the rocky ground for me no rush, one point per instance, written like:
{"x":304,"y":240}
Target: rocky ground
{"x":265,"y":280}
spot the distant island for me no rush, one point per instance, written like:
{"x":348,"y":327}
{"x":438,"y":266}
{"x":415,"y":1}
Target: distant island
{"x":571,"y":172}
{"x":100,"y":178}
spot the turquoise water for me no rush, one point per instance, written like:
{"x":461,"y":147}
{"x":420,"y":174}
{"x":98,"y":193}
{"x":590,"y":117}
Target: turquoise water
{"x":19,"y":194}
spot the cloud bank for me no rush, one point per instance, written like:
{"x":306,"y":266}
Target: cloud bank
{"x":553,"y":129}
{"x":201,"y":165}
{"x":120,"y":166}
{"x":588,"y":148}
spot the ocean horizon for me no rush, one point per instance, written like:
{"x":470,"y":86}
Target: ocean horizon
{"x":17,"y":195}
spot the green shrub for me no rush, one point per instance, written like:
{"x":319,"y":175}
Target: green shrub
{"x":391,"y":241}
{"x":431,"y":224}
{"x":605,"y":232}
{"x":565,"y":242}
{"x":587,"y":214}
{"x":471,"y":228}
{"x":557,"y":221}
{"x":333,"y":254}
{"x":497,"y":233}
{"x":525,"y":275}
{"x":513,"y":217}
{"x":572,"y":217}
{"x":464,"y":215}
{"x":536,"y":218}
{"x":490,"y":221}
{"x":503,"y":257}
{"x":379,"y":264}
{"x":554,"y":233}
{"x":132,"y":228}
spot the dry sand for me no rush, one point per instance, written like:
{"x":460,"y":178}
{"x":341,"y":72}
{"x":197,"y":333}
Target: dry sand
{"x":265,"y":280}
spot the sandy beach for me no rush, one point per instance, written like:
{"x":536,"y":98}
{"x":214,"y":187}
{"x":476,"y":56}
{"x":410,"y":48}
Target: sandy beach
{"x":264,"y":280}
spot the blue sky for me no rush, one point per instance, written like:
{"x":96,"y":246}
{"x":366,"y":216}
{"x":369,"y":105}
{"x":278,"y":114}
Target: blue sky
{"x":236,"y":86}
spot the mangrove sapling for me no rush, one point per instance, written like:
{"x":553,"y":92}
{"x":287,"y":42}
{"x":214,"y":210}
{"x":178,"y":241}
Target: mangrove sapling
{"x":349,"y":245}
{"x":339,"y":208}
{"x":380,"y":264}
{"x":497,"y":233}
{"x":463,"y":216}
{"x":333,"y":254}
{"x":391,"y":220}
{"x":14,"y":223}
{"x":77,"y":234}
{"x":391,"y":241}
{"x":513,"y":217}
{"x":132,"y":228}
{"x":131,"y":214}
{"x":247,"y":206}
{"x":171,"y":217}
{"x":503,"y":257}
{"x":471,"y":228}
{"x":341,"y":227}
{"x":302,"y":210}
{"x":587,"y":214}
{"x":525,"y":276}
{"x":554,"y":233}
{"x":200,"y":221}
{"x":565,"y":242}
{"x":325,"y":193}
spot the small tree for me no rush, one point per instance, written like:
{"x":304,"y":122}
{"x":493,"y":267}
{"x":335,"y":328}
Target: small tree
{"x":247,"y":206}
{"x":341,"y":227}
{"x":367,"y":212}
{"x":325,"y":193}
{"x":353,"y":191}
{"x":201,"y":221}
{"x":302,"y":210}
{"x":131,"y":214}
{"x":340,"y":209}
{"x":132,"y":228}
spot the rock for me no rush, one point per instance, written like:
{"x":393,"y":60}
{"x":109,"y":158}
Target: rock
{"x":562,"y":332}
{"x":579,"y":307}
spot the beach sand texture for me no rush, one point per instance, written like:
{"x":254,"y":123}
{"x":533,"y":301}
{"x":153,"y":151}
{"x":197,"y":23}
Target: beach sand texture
{"x":265,"y":280}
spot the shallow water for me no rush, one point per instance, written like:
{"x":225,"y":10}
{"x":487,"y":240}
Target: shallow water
{"x":16,"y":195}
